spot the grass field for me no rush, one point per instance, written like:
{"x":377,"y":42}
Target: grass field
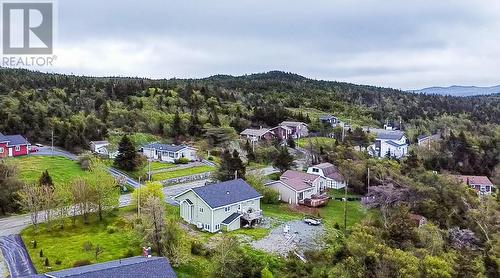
{"x":334,"y":211}
{"x":61,"y":169}
{"x":155,"y":165}
{"x":63,"y":247}
{"x":316,"y":142}
{"x":182,"y":172}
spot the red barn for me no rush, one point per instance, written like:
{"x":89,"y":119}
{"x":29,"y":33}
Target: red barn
{"x":13,"y":145}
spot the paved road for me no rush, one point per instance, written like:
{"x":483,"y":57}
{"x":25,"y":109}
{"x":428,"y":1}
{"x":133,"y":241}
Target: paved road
{"x":47,"y":151}
{"x":10,"y":226}
{"x":16,"y":257}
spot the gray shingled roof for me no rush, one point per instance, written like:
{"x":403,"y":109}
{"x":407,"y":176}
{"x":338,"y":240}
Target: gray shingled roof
{"x":384,"y":134}
{"x":231,"y":218}
{"x":394,"y":144}
{"x":165,"y":147}
{"x":226,"y":193}
{"x":154,"y":267}
{"x":13,"y":140}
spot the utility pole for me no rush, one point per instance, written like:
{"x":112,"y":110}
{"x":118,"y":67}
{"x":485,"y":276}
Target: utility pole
{"x":149,"y":169}
{"x":345,"y":205}
{"x":139,"y":199}
{"x":235,"y":174}
{"x":368,"y":181}
{"x":52,"y":145}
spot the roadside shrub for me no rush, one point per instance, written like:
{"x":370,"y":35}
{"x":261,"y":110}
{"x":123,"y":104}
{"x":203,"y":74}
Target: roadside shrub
{"x":198,"y":249}
{"x":84,"y":160}
{"x":81,"y":263}
{"x":211,"y":158}
{"x":265,"y":155}
{"x":181,"y":160}
{"x":129,"y":253}
{"x":47,"y":262}
{"x":87,"y":246}
{"x":58,"y":262}
{"x":111,"y":229}
{"x":41,"y":253}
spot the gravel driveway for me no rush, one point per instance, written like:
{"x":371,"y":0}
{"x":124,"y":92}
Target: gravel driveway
{"x":300,"y":237}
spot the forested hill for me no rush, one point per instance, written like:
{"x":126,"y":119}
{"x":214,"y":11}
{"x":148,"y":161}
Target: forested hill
{"x":85,"y":108}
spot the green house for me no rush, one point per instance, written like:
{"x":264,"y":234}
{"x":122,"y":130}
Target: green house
{"x":221,"y":206}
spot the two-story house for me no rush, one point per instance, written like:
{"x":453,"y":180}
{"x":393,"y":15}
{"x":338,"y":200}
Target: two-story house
{"x":298,"y":129}
{"x":388,"y":142}
{"x":333,"y":178}
{"x":295,"y":186}
{"x":220,"y":206}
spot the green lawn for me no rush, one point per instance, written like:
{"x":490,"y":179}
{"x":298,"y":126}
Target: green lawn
{"x":316,"y":142}
{"x":156,"y":165}
{"x":114,"y":235}
{"x":61,"y":169}
{"x":333,"y":212}
{"x":182,"y":172}
{"x":254,"y":233}
{"x":280,"y":212}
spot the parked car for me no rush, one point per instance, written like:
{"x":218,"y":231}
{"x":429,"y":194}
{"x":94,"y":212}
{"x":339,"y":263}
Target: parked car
{"x":312,"y":221}
{"x":33,"y":149}
{"x":39,"y":145}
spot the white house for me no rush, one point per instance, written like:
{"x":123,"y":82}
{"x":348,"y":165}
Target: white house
{"x":330,"y":173}
{"x":388,"y":142}
{"x":168,"y":153}
{"x":103,"y":148}
{"x":294,"y":186}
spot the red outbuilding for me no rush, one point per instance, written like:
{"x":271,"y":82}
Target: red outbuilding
{"x":13,"y":145}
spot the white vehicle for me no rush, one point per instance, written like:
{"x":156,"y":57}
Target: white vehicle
{"x":312,"y":221}
{"x":39,"y":145}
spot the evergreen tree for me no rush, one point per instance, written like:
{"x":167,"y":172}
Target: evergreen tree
{"x":127,"y":159}
{"x":224,"y":172}
{"x":46,"y":179}
{"x":239,"y":168}
{"x":195,"y":128}
{"x":291,"y":143}
{"x":284,"y":160}
{"x":177,"y":130}
{"x":249,"y":150}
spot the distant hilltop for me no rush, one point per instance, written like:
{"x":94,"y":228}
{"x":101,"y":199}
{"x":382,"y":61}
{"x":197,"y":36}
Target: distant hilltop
{"x":460,"y":91}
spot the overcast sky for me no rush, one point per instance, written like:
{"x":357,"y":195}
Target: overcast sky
{"x":400,"y":44}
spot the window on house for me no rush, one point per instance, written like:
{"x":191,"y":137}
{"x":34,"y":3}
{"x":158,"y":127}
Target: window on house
{"x":201,"y":209}
{"x":217,"y":227}
{"x":171,"y":154}
{"x":1,"y":150}
{"x":301,"y":195}
{"x":226,"y":209}
{"x":207,"y":227}
{"x":315,"y":170}
{"x":18,"y":148}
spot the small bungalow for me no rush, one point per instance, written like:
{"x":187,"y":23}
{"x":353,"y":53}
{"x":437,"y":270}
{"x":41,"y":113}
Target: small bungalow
{"x":168,"y":153}
{"x":295,"y":187}
{"x":426,"y":140}
{"x":102,"y":148}
{"x":330,"y":173}
{"x":220,"y":206}
{"x":257,"y":134}
{"x":482,"y":184}
{"x":13,"y":145}
{"x":329,"y":120}
{"x":298,"y":129}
